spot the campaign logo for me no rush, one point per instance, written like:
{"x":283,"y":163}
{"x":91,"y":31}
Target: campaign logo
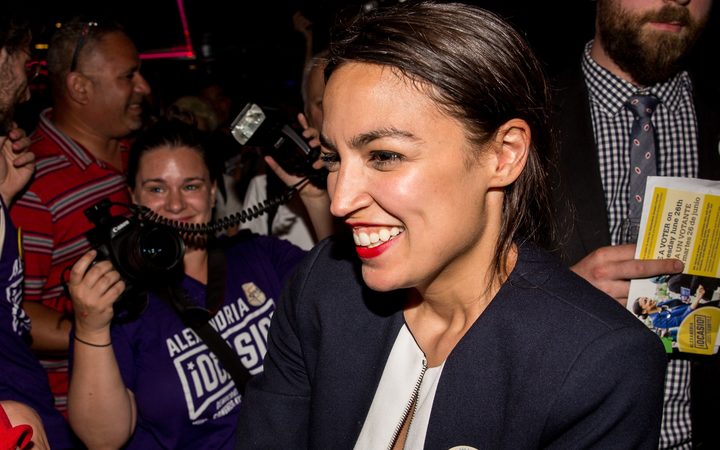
{"x":208,"y":388}
{"x":13,"y":294}
{"x":254,"y":295}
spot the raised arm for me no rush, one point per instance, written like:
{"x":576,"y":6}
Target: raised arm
{"x":101,"y":409}
{"x":315,"y":200}
{"x":16,"y":163}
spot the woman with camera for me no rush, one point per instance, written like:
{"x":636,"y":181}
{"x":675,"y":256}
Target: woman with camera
{"x":152,"y":382}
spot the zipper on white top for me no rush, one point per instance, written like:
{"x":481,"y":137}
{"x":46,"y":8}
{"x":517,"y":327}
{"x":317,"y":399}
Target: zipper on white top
{"x":410,"y":407}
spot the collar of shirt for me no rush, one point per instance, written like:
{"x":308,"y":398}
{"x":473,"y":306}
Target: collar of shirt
{"x":74,"y":151}
{"x":611,"y":92}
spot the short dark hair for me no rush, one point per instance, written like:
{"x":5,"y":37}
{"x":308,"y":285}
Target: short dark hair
{"x":15,"y":34}
{"x":637,"y":309}
{"x":169,"y":133}
{"x":481,"y":72}
{"x":65,"y":40}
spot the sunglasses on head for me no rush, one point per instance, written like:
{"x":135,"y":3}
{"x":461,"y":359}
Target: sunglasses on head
{"x":80,"y":42}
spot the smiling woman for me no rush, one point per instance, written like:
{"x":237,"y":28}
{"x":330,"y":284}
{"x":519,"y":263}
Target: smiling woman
{"x":151,"y":382}
{"x":443,"y":324}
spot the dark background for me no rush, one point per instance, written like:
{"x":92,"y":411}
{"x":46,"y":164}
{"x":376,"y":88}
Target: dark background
{"x":253,"y":47}
{"x":253,"y":44}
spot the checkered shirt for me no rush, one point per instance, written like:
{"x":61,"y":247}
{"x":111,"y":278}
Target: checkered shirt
{"x":675,"y":127}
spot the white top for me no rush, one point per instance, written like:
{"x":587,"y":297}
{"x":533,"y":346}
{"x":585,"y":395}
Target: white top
{"x":405,"y":376}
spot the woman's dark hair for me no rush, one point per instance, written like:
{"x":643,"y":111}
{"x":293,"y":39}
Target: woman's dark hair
{"x":481,"y":72}
{"x":168,"y":133}
{"x":637,"y":309}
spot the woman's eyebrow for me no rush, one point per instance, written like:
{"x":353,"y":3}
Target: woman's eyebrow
{"x":152,"y":180}
{"x":161,"y":180}
{"x":366,"y":138}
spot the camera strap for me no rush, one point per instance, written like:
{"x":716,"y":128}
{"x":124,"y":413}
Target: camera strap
{"x":198,"y":318}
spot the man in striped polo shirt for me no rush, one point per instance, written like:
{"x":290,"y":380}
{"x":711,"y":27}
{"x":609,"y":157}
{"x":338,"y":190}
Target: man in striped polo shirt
{"x":97,"y":94}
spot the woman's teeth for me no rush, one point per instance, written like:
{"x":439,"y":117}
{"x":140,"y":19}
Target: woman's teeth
{"x":375,"y":238}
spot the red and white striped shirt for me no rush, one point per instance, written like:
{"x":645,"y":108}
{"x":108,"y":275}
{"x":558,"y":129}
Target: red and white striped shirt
{"x":50,"y":215}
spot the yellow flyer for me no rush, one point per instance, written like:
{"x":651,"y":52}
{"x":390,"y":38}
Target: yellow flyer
{"x":681,"y":219}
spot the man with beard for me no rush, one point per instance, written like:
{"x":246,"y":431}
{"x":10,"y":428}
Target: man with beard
{"x":26,"y":407}
{"x":639,"y":48}
{"x":97,"y":91}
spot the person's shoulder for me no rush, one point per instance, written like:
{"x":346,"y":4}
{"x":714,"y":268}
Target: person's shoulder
{"x":328,"y":282}
{"x":332,"y":268}
{"x":43,"y":145}
{"x":259,"y":252}
{"x":559,"y":291}
{"x":334,"y":252}
{"x":331,"y":255}
{"x":54,"y":176}
{"x":50,"y":160}
{"x":246,"y":240}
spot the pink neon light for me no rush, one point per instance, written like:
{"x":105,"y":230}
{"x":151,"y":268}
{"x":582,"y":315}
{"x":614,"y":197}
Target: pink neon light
{"x":183,"y":20}
{"x":184,"y":54}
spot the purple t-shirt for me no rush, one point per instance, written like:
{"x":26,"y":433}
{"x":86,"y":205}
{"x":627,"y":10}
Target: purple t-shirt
{"x":184,"y":397}
{"x":22,"y":378}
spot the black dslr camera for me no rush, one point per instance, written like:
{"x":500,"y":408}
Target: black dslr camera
{"x":146,"y":254}
{"x":263,"y":127}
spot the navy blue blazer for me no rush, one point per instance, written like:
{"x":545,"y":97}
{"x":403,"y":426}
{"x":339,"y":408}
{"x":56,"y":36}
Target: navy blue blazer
{"x":582,"y":215}
{"x":551,"y":363}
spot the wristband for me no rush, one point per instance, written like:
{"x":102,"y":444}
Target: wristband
{"x":91,"y":344}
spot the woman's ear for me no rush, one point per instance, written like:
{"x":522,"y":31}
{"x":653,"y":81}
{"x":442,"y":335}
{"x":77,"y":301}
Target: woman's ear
{"x":512,"y":146}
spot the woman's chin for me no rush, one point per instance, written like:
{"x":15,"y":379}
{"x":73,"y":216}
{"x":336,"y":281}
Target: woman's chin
{"x":381,"y":281}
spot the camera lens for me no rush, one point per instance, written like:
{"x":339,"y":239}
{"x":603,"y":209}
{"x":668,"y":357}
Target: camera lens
{"x":147,"y":254}
{"x":160,"y":249}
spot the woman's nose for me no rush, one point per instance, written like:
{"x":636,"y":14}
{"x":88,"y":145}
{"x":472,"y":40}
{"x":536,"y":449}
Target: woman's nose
{"x":348,"y":191}
{"x":174,"y":202}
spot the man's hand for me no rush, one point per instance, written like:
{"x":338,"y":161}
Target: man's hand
{"x":17,"y":163}
{"x":611,"y":268}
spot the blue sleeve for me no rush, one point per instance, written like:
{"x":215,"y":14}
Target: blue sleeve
{"x":612,"y":395}
{"x":275,"y":411}
{"x":672,"y":318}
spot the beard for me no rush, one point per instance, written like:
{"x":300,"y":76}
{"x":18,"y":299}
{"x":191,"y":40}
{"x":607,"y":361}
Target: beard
{"x":6,"y":119}
{"x":648,"y":56}
{"x":7,"y":99}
